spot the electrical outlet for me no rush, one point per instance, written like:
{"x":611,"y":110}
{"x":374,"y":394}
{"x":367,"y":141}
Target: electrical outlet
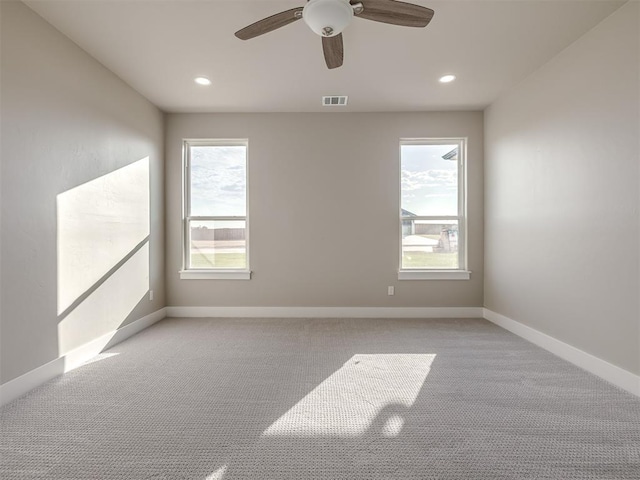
{"x":391,"y":290}
{"x":150,"y":295}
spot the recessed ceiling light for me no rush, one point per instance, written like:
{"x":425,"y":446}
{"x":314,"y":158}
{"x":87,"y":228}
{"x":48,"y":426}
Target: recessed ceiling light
{"x":447,"y":78}
{"x":202,"y":81}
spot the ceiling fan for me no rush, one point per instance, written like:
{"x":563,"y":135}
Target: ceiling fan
{"x":328,"y":18}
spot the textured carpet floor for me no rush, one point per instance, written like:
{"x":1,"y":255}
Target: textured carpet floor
{"x":323,"y":399}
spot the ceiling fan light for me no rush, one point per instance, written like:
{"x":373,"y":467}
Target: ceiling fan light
{"x":327,"y":18}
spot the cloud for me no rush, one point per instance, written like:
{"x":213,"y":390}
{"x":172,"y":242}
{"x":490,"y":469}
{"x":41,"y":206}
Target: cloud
{"x":218,"y":181}
{"x":432,"y":195}
{"x":237,"y":187}
{"x":428,"y":178}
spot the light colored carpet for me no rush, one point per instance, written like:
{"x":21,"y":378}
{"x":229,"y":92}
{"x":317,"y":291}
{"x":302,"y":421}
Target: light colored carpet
{"x":323,"y":399}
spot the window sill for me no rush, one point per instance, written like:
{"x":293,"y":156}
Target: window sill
{"x":215,"y":274}
{"x":434,"y":275}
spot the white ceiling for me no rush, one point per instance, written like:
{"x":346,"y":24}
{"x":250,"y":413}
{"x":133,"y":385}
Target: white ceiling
{"x":159,"y":46}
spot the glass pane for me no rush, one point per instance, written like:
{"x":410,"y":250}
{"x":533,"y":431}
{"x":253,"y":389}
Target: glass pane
{"x":429,"y":175}
{"x":218,"y":181}
{"x":218,"y":244}
{"x":429,"y":244}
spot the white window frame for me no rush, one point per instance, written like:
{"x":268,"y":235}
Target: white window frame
{"x":461,"y":273}
{"x":188,"y":273}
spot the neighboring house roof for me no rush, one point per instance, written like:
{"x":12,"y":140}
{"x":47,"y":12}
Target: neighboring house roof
{"x":452,"y":155}
{"x":407,"y":213}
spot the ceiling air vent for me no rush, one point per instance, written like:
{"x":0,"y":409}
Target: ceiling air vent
{"x":334,"y":101}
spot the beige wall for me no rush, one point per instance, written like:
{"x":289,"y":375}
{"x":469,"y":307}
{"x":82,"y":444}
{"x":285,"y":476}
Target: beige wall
{"x":324,"y":202}
{"x":82,"y":196}
{"x":561,"y":195}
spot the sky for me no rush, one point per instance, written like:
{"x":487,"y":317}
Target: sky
{"x":429,"y":183}
{"x":218,"y":180}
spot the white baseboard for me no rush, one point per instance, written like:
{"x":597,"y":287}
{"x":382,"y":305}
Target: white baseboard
{"x":19,"y":386}
{"x":24,"y":383}
{"x":326,"y":312}
{"x":605,"y":370}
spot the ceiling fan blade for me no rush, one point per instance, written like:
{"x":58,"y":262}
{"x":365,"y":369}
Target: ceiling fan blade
{"x":269,"y":24}
{"x":333,"y":51}
{"x":395,"y":13}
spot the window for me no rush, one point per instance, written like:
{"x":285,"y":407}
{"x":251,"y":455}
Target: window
{"x":432,"y":209}
{"x":216,"y":243}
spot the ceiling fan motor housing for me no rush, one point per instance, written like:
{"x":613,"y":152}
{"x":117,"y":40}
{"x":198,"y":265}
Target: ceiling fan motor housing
{"x":327,"y":18}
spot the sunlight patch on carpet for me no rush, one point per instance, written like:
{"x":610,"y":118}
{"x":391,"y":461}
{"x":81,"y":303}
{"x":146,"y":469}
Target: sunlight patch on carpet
{"x":369,"y":392}
{"x":218,"y":474}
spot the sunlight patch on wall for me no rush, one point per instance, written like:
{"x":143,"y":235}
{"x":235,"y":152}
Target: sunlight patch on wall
{"x":350,"y":401}
{"x":104,"y":310}
{"x":99,"y":223}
